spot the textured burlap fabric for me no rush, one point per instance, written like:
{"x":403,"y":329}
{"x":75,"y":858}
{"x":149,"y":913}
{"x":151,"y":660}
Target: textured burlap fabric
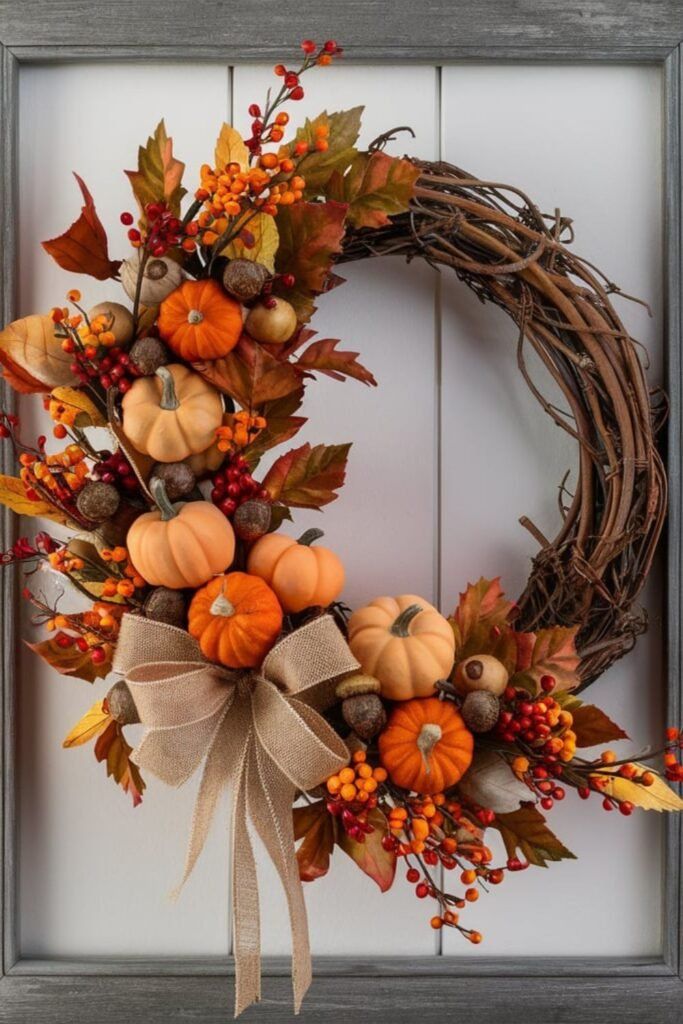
{"x":259,"y":732}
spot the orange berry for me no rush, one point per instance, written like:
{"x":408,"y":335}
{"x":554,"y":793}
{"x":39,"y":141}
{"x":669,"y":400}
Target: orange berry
{"x":379,"y":774}
{"x":419,"y":828}
{"x":322,"y":145}
{"x":399,"y":812}
{"x":276,"y":134}
{"x":358,"y":755}
{"x":369,"y":785}
{"x":364,"y":771}
{"x":417,"y":846}
{"x":269,"y":161}
{"x":475,"y":938}
{"x":647,"y":778}
{"x":449,"y":845}
{"x":73,"y":295}
{"x":282,"y":118}
{"x":436,"y":923}
{"x":468,"y":876}
{"x":520,"y":765}
{"x":119,"y":554}
{"x":348,"y":792}
{"x":286,"y":165}
{"x":334,"y":784}
{"x":362,"y":796}
{"x":347,"y":775}
{"x":608,"y":757}
{"x":472,"y":895}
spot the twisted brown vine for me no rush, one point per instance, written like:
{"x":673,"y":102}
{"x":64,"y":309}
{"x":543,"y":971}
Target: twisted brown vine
{"x":509,"y":253}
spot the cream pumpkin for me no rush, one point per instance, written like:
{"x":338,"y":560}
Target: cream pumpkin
{"x":405,"y":643}
{"x":172,"y":414}
{"x":182,"y":545}
{"x":300,"y":575}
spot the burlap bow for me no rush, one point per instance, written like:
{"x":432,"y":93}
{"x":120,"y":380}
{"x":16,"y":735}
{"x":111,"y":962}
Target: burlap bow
{"x":260,"y":731}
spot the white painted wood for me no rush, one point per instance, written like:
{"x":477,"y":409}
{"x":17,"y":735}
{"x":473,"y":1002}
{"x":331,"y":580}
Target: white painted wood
{"x":598,"y":159}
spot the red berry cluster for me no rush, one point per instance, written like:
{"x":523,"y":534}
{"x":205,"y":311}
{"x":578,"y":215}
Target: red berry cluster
{"x":24,"y":550}
{"x":116,"y":469}
{"x":233,"y":484}
{"x":354,"y":821}
{"x":672,"y":765}
{"x":164,"y":231}
{"x":113,"y":370}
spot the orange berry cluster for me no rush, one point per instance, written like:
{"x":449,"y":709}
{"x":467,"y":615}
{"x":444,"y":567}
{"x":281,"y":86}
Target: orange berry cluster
{"x":128,"y":579}
{"x":62,"y":474}
{"x":64,"y":561}
{"x":353,"y":792}
{"x":90,"y":631}
{"x":229,"y":192}
{"x":672,"y":763}
{"x":321,"y":143}
{"x":241,"y":428}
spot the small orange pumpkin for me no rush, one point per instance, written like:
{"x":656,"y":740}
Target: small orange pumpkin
{"x":199,"y":321}
{"x":405,"y":643}
{"x":182,"y":545}
{"x":172,"y":414}
{"x":300,"y":575}
{"x":426,"y":746}
{"x":236,"y":619}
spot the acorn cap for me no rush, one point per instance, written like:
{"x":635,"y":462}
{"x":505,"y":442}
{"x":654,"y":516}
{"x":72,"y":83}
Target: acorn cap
{"x":357,"y":684}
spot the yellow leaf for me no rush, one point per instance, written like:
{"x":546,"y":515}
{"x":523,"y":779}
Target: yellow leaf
{"x":13,"y":496}
{"x":92,"y":723}
{"x":88,"y":413}
{"x":657,"y":797}
{"x":266,"y":239}
{"x":230,"y":149}
{"x":32,"y":345}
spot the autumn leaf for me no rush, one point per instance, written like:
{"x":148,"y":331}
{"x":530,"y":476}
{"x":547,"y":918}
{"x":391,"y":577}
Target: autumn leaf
{"x":90,"y":725}
{"x":83,"y":248}
{"x":491,"y":782}
{"x":263,"y":242}
{"x":657,"y":797}
{"x":482,"y":607}
{"x":87,"y":415}
{"x":370,"y":856}
{"x":526,"y":830}
{"x":13,"y":496}
{"x":32,"y":355}
{"x":316,"y":827}
{"x":115,"y":751}
{"x":554,"y":654}
{"x":70,"y":661}
{"x":323,"y":356}
{"x":592,"y":726}
{"x":376,"y":186}
{"x":251,"y":375}
{"x":281,"y":425}
{"x":317,"y":167}
{"x":308,"y":477}
{"x":230,"y":148}
{"x":91,"y":578}
{"x":310,"y":236}
{"x":159,"y":174}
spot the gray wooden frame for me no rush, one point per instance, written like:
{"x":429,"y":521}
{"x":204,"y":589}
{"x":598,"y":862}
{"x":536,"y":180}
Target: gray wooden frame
{"x":483,"y":990}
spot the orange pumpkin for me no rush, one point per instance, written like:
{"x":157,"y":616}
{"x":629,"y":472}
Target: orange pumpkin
{"x":236,"y":619}
{"x":172,"y":414}
{"x":426,"y":746}
{"x":405,"y":643}
{"x":199,"y":321}
{"x":182,"y":545}
{"x":300,"y":575}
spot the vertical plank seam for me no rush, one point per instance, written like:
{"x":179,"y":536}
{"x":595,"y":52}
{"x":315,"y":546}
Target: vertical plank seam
{"x":438,"y":374}
{"x":230,"y":115}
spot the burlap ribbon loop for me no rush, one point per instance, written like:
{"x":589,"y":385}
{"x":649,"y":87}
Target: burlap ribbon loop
{"x":260,"y":733}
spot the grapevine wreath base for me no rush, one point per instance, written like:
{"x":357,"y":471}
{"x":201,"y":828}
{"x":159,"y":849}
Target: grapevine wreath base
{"x":398,"y":734}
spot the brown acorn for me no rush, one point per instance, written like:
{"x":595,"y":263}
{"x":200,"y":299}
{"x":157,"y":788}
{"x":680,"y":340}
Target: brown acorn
{"x":177,"y":478}
{"x":244,"y":279}
{"x":365,"y":714}
{"x":98,"y":501}
{"x":148,"y":354}
{"x":165,"y":605}
{"x":121,"y":704}
{"x":252,"y":519}
{"x":480,"y":710}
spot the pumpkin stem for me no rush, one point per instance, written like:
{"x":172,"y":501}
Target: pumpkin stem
{"x":310,"y":536}
{"x":158,"y":490}
{"x":195,"y":316}
{"x":221,"y":606}
{"x":169,"y":399}
{"x":429,"y":736}
{"x":399,"y":626}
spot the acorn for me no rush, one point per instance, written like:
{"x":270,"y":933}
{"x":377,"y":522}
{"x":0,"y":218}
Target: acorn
{"x":252,"y":519}
{"x":177,"y":478}
{"x":119,"y":320}
{"x":272,"y":322}
{"x":357,"y":685}
{"x":161,"y":276}
{"x":480,"y":710}
{"x":244,"y":279}
{"x":148,"y":354}
{"x":165,"y":605}
{"x":481,"y":672}
{"x":98,"y":501}
{"x":365,"y":714}
{"x":121,"y":704}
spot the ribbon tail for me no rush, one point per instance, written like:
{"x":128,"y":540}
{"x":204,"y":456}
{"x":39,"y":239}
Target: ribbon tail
{"x":270,"y":797}
{"x":245,"y":901}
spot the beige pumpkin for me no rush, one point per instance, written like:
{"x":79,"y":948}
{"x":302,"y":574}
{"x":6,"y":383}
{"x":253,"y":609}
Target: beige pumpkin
{"x":405,"y":643}
{"x":211,"y":459}
{"x":179,"y":546}
{"x":32,"y":345}
{"x":160,"y":277}
{"x":172,"y":414}
{"x":119,"y":320}
{"x":300,"y":574}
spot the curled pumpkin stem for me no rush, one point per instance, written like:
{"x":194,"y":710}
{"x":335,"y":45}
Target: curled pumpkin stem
{"x":399,"y":626}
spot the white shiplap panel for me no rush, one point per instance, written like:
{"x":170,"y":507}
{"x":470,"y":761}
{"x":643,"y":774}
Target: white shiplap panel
{"x":382,"y":524}
{"x":585,"y":139}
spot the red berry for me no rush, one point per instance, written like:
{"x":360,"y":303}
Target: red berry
{"x":330,"y":46}
{"x":134,"y":235}
{"x":297,"y":93}
{"x":4,"y":431}
{"x":413,"y":875}
{"x":127,"y":219}
{"x":607,"y":804}
{"x":388,"y":843}
{"x":626,"y":807}
{"x":547,"y":803}
{"x":254,"y":110}
{"x":288,"y":280}
{"x":308,"y":46}
{"x":98,"y":655}
{"x":421,"y":890}
{"x":547,"y":683}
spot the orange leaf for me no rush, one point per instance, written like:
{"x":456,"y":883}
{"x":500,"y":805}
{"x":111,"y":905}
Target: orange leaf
{"x":251,"y":375}
{"x":482,"y":607}
{"x":593,"y":726}
{"x":18,"y":378}
{"x":83,"y":248}
{"x":376,"y":187}
{"x":322,"y":356}
{"x":281,"y":425}
{"x":70,"y":661}
{"x":370,"y":856}
{"x":310,"y":236}
{"x":308,"y":477}
{"x":553,"y":654}
{"x":159,"y":174}
{"x":113,"y":748}
{"x":316,"y":827}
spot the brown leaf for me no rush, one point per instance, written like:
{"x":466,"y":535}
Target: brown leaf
{"x":281,"y":425}
{"x":317,"y":167}
{"x":13,"y":496}
{"x":308,"y":477}
{"x":310,"y":236}
{"x":113,"y":748}
{"x":251,"y":375}
{"x":323,"y":356}
{"x":32,"y":355}
{"x":90,"y":725}
{"x":376,"y":187}
{"x":370,"y":856}
{"x":526,"y":830}
{"x":316,"y":826}
{"x":70,"y":661}
{"x":482,"y":607}
{"x":83,"y":248}
{"x":592,"y":726}
{"x":159,"y":174}
{"x":554,"y":654}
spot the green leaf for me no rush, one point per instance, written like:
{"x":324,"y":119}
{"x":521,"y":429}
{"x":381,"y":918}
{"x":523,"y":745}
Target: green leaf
{"x":376,"y":187}
{"x":370,"y":856}
{"x":526,"y":830}
{"x":592,"y":726}
{"x":316,"y":167}
{"x":308,"y":477}
{"x":310,"y":236}
{"x":159,"y":174}
{"x":324,"y":357}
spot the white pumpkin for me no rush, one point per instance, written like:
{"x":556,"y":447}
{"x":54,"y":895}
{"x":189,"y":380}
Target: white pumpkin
{"x":161,"y":277}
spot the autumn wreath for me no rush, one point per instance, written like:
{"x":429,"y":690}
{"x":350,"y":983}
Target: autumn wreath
{"x":396,"y":733}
